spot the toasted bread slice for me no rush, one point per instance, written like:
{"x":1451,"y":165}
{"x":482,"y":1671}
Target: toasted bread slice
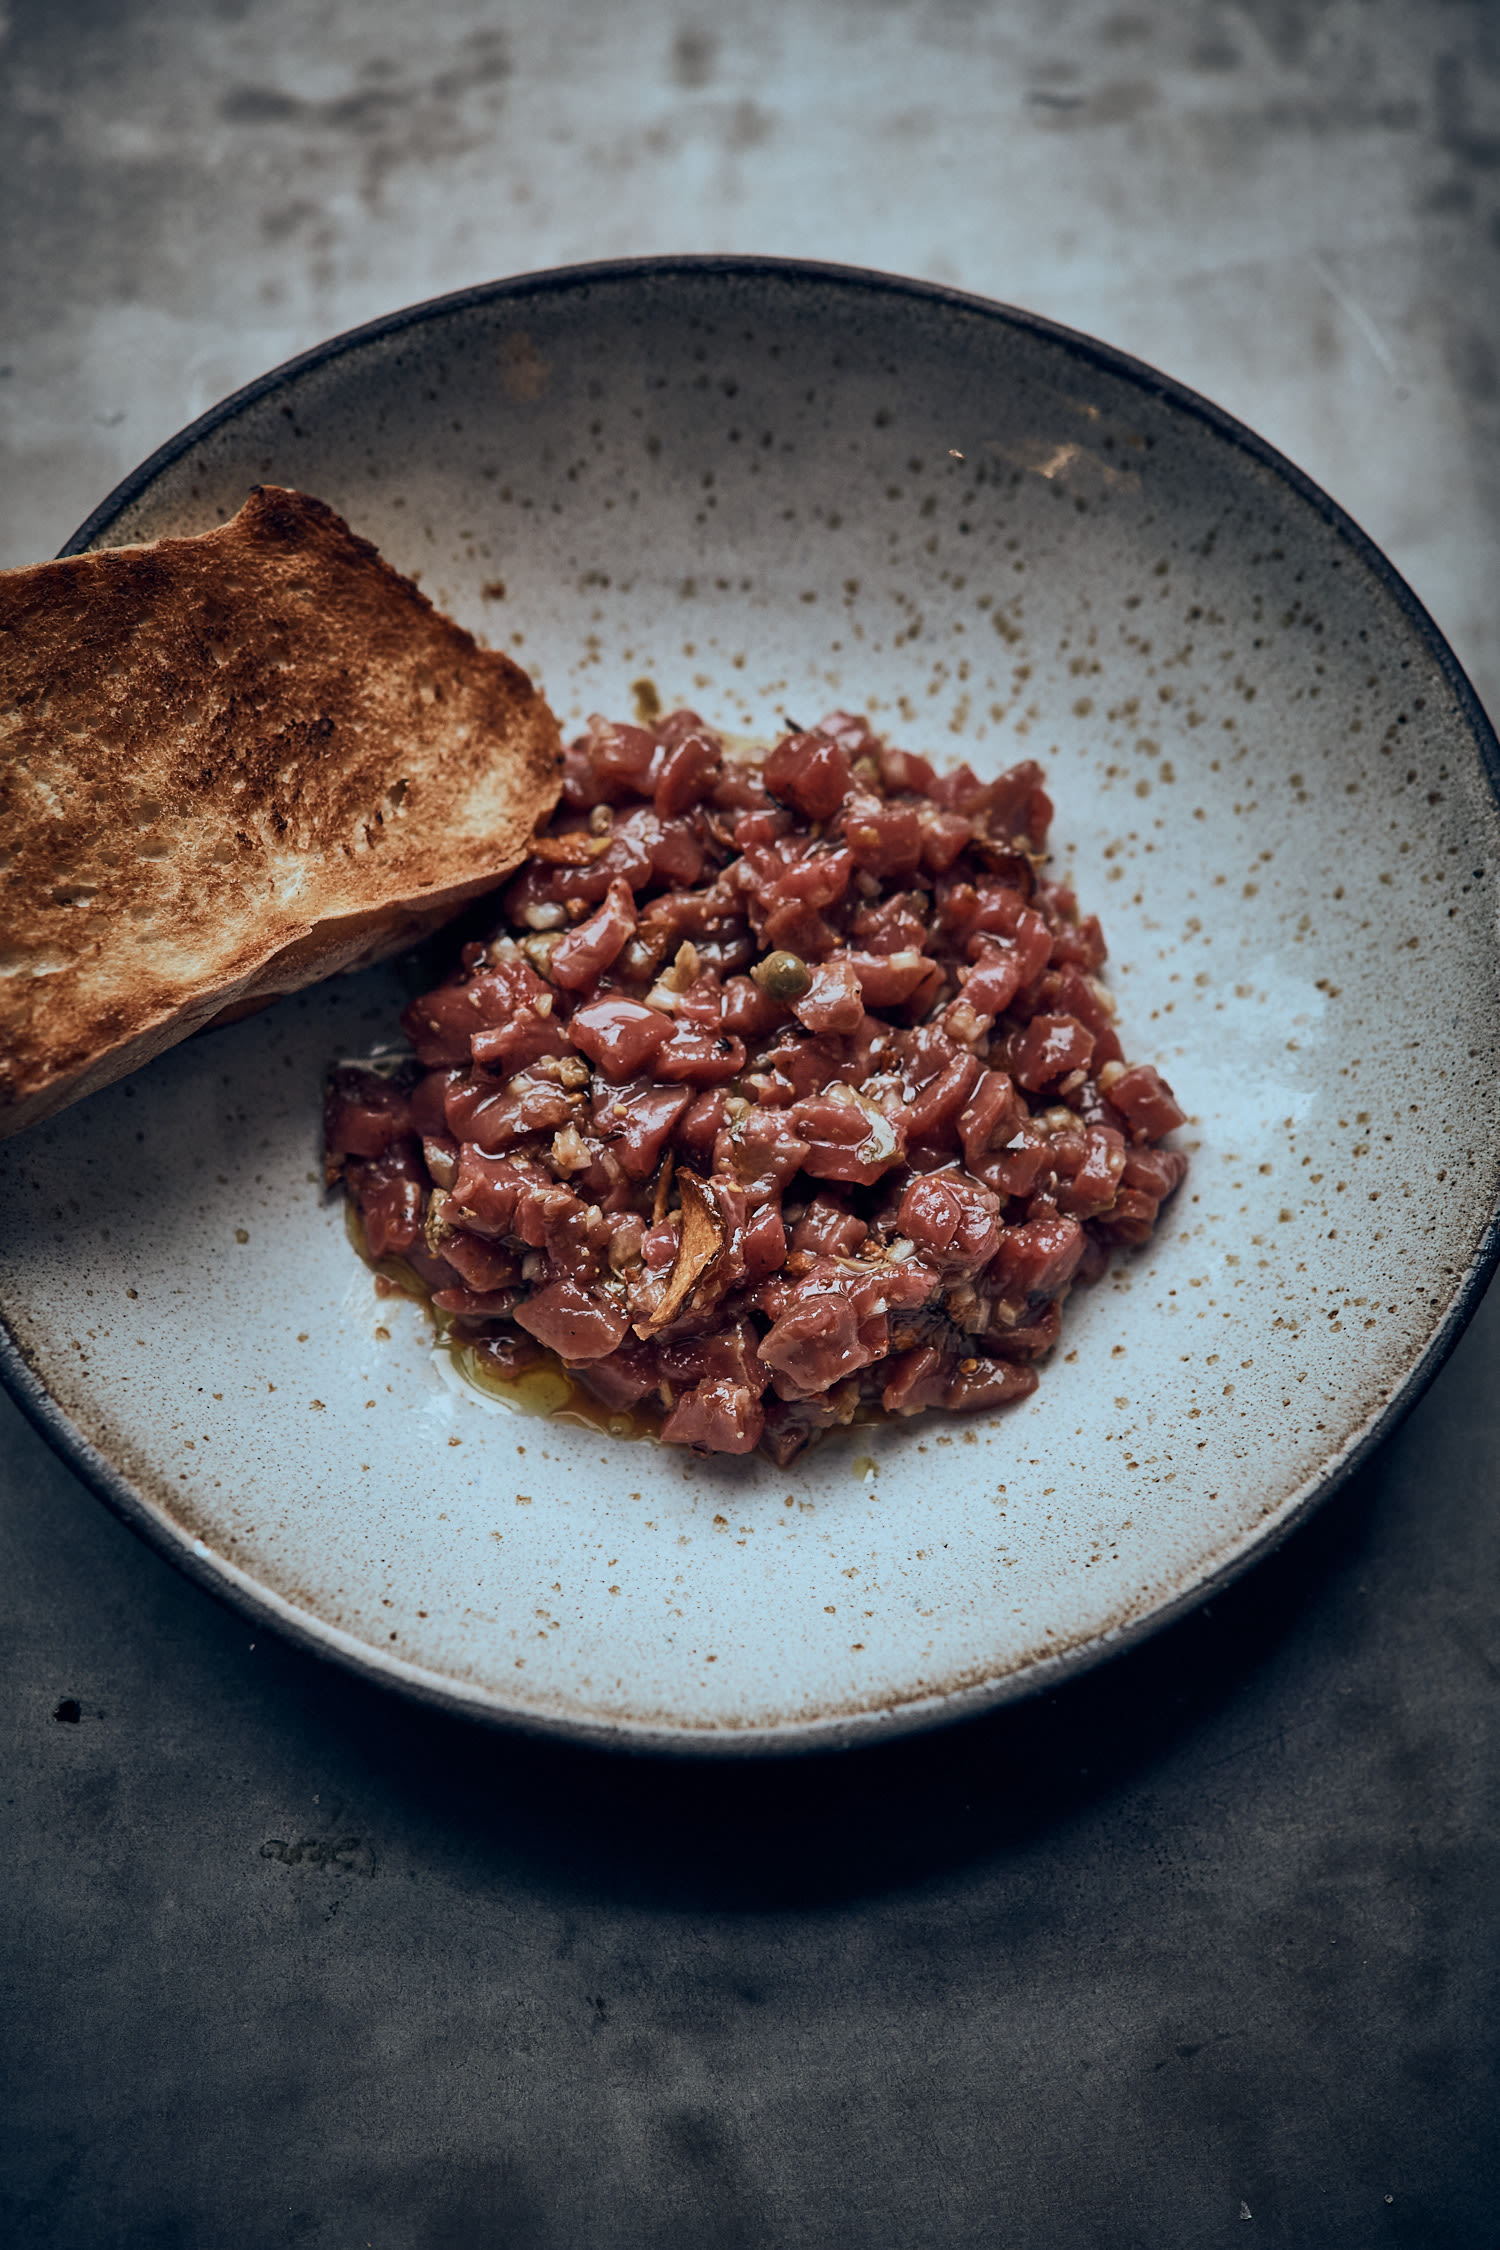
{"x":231,"y":765}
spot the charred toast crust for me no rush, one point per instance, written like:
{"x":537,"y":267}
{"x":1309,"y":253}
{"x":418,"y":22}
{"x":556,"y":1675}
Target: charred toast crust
{"x":230,"y":765}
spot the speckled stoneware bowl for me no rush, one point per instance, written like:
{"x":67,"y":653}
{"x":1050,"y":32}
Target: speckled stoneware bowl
{"x":772,"y":489}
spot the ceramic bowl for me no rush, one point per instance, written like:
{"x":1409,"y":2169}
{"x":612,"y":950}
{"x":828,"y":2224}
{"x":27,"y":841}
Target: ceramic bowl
{"x":770,"y":489}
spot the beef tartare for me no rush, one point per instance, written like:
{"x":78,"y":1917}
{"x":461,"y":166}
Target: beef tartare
{"x":786,"y":1093}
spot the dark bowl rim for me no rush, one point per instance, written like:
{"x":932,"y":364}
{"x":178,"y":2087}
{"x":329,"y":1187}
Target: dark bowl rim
{"x":858,"y":1729}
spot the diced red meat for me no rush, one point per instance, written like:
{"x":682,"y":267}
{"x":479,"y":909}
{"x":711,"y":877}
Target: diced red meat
{"x":494,"y":1198}
{"x":806,"y":1065}
{"x":885,"y":839}
{"x":483,"y":1265}
{"x":1146,"y":1101}
{"x":994,"y":981}
{"x":621,"y":1036}
{"x":1067,"y":991}
{"x":676,"y":854}
{"x":484,"y":1191}
{"x":637,"y":1120}
{"x":944,"y":836}
{"x":440,"y":1155}
{"x":699,"y":1058}
{"x":441,"y":1024}
{"x":574,"y":1322}
{"x":1080,"y":944}
{"x":475,"y":1304}
{"x":791,"y":1423}
{"x":623,"y":1377}
{"x":1001,"y":911}
{"x":494,"y":1118}
{"x":687,"y":773}
{"x":1037,"y":1259}
{"x":763,"y":1244}
{"x":935,"y":1111}
{"x":943,"y":1102}
{"x":677,"y":725}
{"x":763,"y":1152}
{"x":506,"y":1354}
{"x":953,"y":1219}
{"x":788,"y":925}
{"x":1089,"y":1167}
{"x":429,"y":1100}
{"x":582,"y":956}
{"x":390,"y":1194}
{"x":1130,"y":1217}
{"x":748,"y":1011}
{"x":581,"y":790}
{"x":698,"y":1133}
{"x":844,"y":1141}
{"x":1019,"y":1165}
{"x":915,"y":1380}
{"x":888,"y":980}
{"x":762,"y":823}
{"x":1048,"y":1049}
{"x":1153,"y":1171}
{"x":659,"y":1246}
{"x":900,"y":923}
{"x":981,"y":1384}
{"x":716,"y":1418}
{"x":810,"y":771}
{"x":620,"y":756}
{"x":1014,"y":930}
{"x":828,"y":1229}
{"x":550,"y":1217}
{"x":832,"y":1001}
{"x":363,"y":1114}
{"x":991,"y":1120}
{"x":626,"y":857}
{"x":1031,"y":1338}
{"x":516,"y":1045}
{"x":1094,"y":1264}
{"x":729,"y":1355}
{"x":812,"y":875}
{"x":815,"y":1343}
{"x":904,"y":772}
{"x":1016,"y":804}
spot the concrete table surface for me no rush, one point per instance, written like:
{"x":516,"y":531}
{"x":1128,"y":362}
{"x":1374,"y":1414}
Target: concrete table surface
{"x":1202,"y":1949}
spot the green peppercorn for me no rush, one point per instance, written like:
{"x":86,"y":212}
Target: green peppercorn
{"x":782,"y":976}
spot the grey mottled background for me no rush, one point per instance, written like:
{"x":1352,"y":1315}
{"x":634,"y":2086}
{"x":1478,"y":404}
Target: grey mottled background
{"x":1202,"y":1950}
{"x":1293,"y":205}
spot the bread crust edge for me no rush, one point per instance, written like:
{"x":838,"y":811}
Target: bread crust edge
{"x":340,"y":946}
{"x":470,"y":834}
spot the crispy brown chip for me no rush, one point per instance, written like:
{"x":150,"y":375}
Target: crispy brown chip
{"x":699,"y":1249}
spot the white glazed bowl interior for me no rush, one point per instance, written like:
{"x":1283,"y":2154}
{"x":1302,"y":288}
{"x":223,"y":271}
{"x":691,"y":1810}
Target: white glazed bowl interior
{"x":772,"y":490}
